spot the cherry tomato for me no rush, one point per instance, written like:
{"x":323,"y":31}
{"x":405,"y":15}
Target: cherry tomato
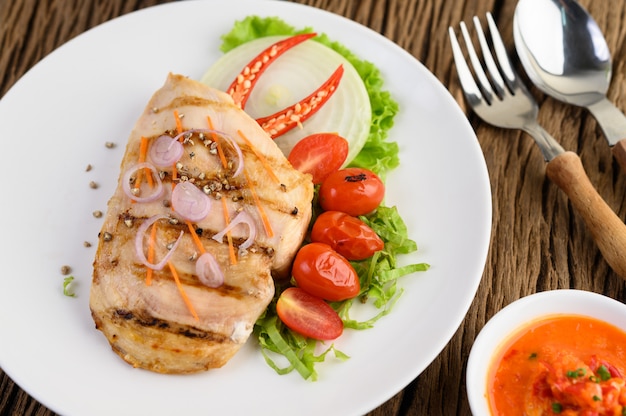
{"x":308,"y":315}
{"x":321,"y":271}
{"x":347,"y":235}
{"x":355,"y":191}
{"x":319,"y":154}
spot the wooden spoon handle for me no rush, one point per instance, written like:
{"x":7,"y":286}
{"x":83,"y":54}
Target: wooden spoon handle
{"x":608,"y":231}
{"x":619,"y":153}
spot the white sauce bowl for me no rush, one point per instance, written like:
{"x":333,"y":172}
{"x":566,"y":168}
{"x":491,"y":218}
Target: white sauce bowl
{"x":519,"y":314}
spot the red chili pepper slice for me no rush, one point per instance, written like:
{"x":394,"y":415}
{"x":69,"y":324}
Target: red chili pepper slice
{"x":285,"y":120}
{"x":244,"y":82}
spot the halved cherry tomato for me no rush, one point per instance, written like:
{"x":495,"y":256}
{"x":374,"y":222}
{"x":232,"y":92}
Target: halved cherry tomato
{"x":321,"y":271}
{"x":347,"y":235}
{"x":319,"y":154}
{"x":355,"y":191}
{"x":308,"y":315}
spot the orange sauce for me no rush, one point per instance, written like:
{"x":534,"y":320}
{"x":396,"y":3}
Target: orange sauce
{"x":560,"y":365}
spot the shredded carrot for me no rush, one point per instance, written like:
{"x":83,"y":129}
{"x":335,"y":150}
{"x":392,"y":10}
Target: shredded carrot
{"x":143,"y":152}
{"x":231,"y":248}
{"x":220,"y":151}
{"x":149,"y":271}
{"x":257,"y":201}
{"x":179,"y":123}
{"x":195,"y":237}
{"x":182,"y":291}
{"x":179,"y":130}
{"x":266,"y":165}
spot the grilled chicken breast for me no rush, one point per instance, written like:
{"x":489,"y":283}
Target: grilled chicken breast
{"x":160,"y":309}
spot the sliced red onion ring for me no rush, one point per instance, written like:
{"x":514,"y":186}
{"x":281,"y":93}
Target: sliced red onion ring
{"x":165,"y":151}
{"x":208,"y":271}
{"x":156,"y":192}
{"x":229,"y":139}
{"x":141,"y":232}
{"x":242,"y":218}
{"x":190,"y":202}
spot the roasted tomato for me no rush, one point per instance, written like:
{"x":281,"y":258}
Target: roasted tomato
{"x":355,"y":191}
{"x":308,"y":315}
{"x":323,"y":272}
{"x":319,"y":154}
{"x":347,"y":235}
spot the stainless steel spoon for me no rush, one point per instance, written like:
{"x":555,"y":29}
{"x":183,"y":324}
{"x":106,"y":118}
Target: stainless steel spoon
{"x":565,"y":54}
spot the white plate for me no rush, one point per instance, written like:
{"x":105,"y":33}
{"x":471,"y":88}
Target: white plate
{"x":56,"y":120}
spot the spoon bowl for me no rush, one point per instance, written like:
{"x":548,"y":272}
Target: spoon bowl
{"x":565,"y":55}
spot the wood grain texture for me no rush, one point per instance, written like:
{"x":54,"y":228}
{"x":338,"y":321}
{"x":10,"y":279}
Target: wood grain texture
{"x":619,"y":153}
{"x":539,"y":242}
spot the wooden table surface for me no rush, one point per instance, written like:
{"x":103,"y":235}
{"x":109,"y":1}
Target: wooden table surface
{"x":539,"y":242}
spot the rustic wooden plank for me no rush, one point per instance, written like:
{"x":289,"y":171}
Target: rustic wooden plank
{"x":538,"y":241}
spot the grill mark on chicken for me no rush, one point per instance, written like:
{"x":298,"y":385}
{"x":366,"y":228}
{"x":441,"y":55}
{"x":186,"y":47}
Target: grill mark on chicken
{"x":234,"y":189}
{"x":138,"y":270}
{"x":124,"y":317}
{"x":176,"y":226}
{"x":192,"y":101}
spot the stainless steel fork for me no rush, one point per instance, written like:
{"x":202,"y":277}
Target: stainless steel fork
{"x":501,"y":99}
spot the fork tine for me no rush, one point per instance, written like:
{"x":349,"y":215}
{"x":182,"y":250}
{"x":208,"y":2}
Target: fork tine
{"x":469,"y":86}
{"x":516,"y":107}
{"x":503,"y":59}
{"x":492,"y":68}
{"x":476,"y":65}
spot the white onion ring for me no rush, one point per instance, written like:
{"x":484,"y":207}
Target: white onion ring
{"x":208,"y":271}
{"x":165,"y":151}
{"x":190,"y":202}
{"x":157,"y":192}
{"x":139,"y":237}
{"x":229,"y":139}
{"x":242,"y":218}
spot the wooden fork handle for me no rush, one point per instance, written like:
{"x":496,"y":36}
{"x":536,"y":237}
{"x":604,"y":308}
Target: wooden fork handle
{"x":608,"y":231}
{"x":619,"y":153}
